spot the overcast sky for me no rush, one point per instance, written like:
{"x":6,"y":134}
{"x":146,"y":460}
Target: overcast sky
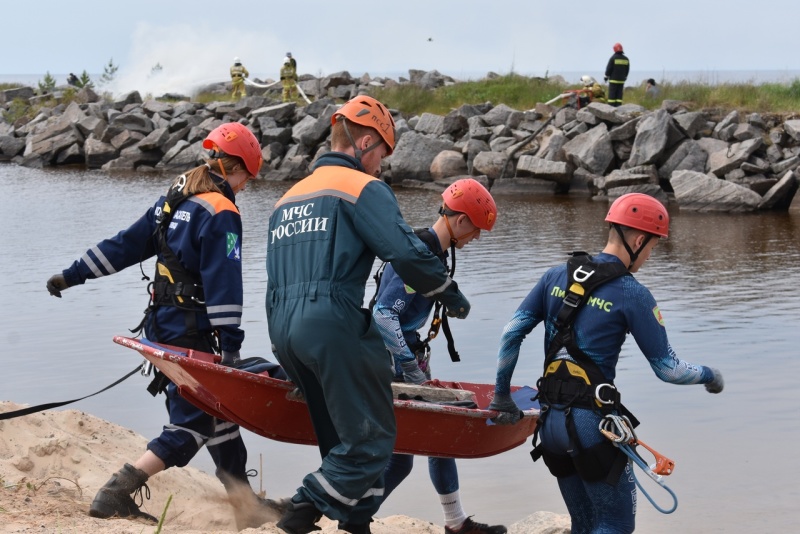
{"x":195,"y":41}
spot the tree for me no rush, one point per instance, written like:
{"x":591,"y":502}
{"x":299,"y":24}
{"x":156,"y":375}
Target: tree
{"x":109,"y":72}
{"x":47,"y":84}
{"x":85,"y":80}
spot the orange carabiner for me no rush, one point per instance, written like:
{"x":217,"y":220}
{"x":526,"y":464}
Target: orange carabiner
{"x":664,"y":466}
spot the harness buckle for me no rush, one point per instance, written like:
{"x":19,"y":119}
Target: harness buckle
{"x":599,"y":388}
{"x":572,"y":300}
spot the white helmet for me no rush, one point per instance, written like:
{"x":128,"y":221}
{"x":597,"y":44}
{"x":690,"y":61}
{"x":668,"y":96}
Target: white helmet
{"x":587,"y":80}
{"x":287,"y":61}
{"x":236,"y":60}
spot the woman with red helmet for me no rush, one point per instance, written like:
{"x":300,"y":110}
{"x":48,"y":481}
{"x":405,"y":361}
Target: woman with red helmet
{"x":195,"y":234}
{"x":589,"y":306}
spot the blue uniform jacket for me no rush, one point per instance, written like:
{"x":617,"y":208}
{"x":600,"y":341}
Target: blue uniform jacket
{"x":617,"y":307}
{"x":206,"y":236}
{"x":399,"y":312}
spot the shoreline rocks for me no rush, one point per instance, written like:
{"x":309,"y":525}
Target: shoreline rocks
{"x":700,"y":160}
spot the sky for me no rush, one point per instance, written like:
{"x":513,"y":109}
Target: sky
{"x":196,"y":41}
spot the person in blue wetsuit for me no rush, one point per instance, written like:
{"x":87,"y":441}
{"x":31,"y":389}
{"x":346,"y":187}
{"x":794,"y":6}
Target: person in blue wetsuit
{"x":400,"y":311}
{"x":324,"y":235}
{"x":195,"y":232}
{"x":582,"y":349}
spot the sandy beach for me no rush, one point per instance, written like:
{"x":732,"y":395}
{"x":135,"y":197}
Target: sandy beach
{"x":53,"y":462}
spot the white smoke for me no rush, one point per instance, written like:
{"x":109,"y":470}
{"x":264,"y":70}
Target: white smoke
{"x":191,"y":56}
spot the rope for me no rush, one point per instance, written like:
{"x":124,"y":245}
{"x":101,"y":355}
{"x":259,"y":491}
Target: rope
{"x":620,"y":431}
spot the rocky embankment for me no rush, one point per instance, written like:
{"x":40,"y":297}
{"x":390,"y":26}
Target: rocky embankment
{"x":700,"y":160}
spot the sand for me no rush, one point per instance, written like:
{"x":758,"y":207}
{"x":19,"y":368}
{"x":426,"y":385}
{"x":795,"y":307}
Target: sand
{"x":52,"y":463}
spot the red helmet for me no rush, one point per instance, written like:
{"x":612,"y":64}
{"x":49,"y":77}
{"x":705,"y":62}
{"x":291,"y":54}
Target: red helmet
{"x":640,"y":211}
{"x":235,"y":139}
{"x":617,"y":47}
{"x":367,"y":111}
{"x":468,"y":196}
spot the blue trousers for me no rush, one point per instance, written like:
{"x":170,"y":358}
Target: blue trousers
{"x":594,"y":507}
{"x":443,"y":473}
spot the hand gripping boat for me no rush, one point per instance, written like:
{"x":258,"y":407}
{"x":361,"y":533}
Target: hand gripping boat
{"x":432,"y":420}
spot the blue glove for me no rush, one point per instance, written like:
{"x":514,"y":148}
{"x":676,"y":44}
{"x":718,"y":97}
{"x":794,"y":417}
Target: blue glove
{"x":716,"y":385}
{"x":412,"y":374}
{"x":230,"y":358}
{"x":509,"y":411}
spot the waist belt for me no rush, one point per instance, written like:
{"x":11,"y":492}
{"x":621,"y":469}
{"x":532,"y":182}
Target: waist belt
{"x":602,"y":397}
{"x":179,"y":289}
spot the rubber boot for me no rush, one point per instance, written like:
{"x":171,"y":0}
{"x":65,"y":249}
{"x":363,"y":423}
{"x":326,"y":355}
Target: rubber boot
{"x":355,"y":528}
{"x":114,"y":498}
{"x":300,"y":518}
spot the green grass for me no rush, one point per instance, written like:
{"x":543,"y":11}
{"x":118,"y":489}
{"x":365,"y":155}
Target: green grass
{"x":520,"y":92}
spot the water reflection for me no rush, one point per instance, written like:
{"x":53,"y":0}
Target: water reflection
{"x":722,"y":282}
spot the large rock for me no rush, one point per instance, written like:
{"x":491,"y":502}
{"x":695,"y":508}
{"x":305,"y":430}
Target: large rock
{"x":591,"y":150}
{"x":695,"y":191}
{"x":655,"y":134}
{"x":555,"y":171}
{"x":723,"y":161}
{"x":413,"y":156}
{"x":492,"y":164}
{"x":780,"y":195}
{"x":448,"y":163}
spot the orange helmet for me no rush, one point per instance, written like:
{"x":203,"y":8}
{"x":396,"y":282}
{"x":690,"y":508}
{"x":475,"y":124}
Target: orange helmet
{"x":640,"y":211}
{"x":617,"y":47}
{"x":235,"y":139}
{"x":468,"y":196}
{"x":367,"y":111}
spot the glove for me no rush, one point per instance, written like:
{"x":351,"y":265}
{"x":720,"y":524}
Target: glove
{"x":716,"y":385}
{"x":412,"y":374}
{"x":458,"y":307}
{"x":230,"y":358}
{"x":56,"y":284}
{"x":509,"y":411}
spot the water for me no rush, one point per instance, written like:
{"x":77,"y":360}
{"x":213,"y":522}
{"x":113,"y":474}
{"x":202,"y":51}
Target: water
{"x":724,"y":283}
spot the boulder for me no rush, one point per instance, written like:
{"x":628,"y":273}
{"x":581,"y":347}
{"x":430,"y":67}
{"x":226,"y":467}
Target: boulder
{"x":695,"y":191}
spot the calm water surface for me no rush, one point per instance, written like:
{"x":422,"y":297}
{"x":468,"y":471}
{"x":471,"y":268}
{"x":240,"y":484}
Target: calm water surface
{"x":725,"y":284}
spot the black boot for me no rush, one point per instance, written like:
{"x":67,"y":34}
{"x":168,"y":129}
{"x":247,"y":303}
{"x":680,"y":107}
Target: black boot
{"x":355,"y":528}
{"x":114,"y":498}
{"x":300,"y":518}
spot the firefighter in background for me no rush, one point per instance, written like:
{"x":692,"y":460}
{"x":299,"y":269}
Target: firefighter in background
{"x":592,"y":91}
{"x":616,"y":74}
{"x":289,"y":79}
{"x":293,"y":60}
{"x":238,"y":74}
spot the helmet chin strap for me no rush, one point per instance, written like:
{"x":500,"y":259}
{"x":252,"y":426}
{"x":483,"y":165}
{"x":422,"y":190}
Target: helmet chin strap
{"x":453,"y":239}
{"x":633,"y":255}
{"x":358,"y":152}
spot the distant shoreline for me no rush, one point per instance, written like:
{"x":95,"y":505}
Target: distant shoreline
{"x":708,"y":76}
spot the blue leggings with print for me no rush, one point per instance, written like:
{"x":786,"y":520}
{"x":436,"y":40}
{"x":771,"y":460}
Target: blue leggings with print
{"x":443,"y":473}
{"x":594,"y":507}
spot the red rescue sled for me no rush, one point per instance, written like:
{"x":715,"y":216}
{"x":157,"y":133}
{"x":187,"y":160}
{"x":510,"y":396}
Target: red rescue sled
{"x":266,"y":406}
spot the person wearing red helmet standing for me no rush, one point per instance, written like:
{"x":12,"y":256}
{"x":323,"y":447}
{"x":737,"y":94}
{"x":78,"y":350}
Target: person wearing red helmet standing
{"x":616,"y":73}
{"x":195,"y":234}
{"x":589,"y":306}
{"x":324,"y":236}
{"x":400,"y":311}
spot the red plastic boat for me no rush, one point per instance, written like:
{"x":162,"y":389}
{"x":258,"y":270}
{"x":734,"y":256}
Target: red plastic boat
{"x":267,"y":406}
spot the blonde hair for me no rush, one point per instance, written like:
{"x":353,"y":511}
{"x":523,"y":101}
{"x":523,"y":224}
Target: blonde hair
{"x":199,"y":180}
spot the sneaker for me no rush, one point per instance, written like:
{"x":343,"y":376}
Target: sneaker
{"x":471,"y":527}
{"x":300,"y":518}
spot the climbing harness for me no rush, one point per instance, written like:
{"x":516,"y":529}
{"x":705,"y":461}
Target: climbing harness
{"x":421,"y":348}
{"x":579,"y":382}
{"x":620,"y":431}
